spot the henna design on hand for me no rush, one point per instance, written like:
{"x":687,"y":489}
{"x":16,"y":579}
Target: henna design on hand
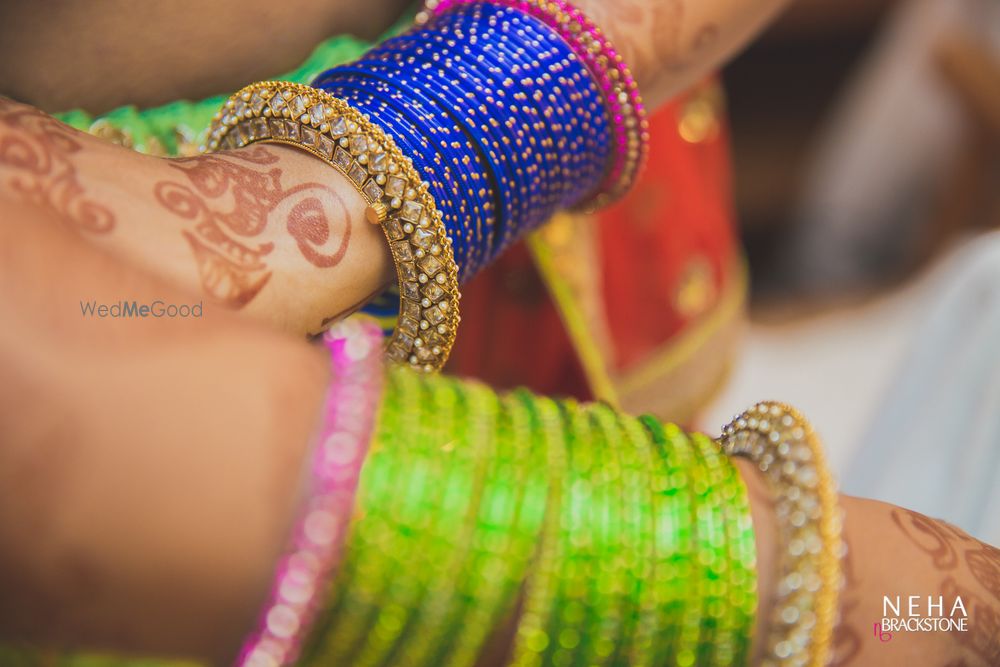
{"x":656,"y":32}
{"x":668,"y":17}
{"x":931,"y":537}
{"x":983,"y":637}
{"x":234,"y":198}
{"x":655,"y":39}
{"x":39,"y":152}
{"x":944,"y":543}
{"x":308,"y":225}
{"x":705,"y":38}
{"x":984,"y":563}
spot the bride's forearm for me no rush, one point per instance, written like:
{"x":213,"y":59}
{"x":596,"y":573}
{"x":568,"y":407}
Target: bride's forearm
{"x":892,"y":553}
{"x":267,"y":230}
{"x":149,"y":465}
{"x":896,"y":553}
{"x":671,"y":44}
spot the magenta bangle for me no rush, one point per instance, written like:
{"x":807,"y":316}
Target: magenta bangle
{"x":620,"y":91}
{"x":342,"y":442}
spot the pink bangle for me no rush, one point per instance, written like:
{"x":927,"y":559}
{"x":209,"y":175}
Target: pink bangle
{"x":348,"y":419}
{"x":621,"y":93}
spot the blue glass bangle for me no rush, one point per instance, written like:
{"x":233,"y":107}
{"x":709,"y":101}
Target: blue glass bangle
{"x":443,"y":133}
{"x":529,"y":25}
{"x":441,"y":178}
{"x":504,"y":118}
{"x":513,"y":204}
{"x":514,"y":66}
{"x":474,"y":157}
{"x":569,"y":142}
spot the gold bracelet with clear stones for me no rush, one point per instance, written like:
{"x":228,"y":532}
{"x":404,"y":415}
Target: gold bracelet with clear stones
{"x":398,"y":199}
{"x":783,"y":445}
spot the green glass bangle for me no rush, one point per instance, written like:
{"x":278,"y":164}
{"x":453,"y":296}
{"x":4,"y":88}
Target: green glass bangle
{"x":730,"y":604}
{"x":362,"y":584}
{"x":681,"y":603}
{"x":648,"y":482}
{"x":626,"y":541}
{"x":566,"y":609}
{"x":599,"y":480}
{"x":532,"y":637}
{"x":498,"y":551}
{"x":517,"y":498}
{"x":631,"y":555}
{"x":453,"y":486}
{"x":455,"y":551}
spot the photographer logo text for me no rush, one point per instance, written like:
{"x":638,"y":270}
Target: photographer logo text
{"x":920,"y":613}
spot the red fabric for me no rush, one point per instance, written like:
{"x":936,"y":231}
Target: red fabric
{"x":511,"y":333}
{"x":680,"y":209}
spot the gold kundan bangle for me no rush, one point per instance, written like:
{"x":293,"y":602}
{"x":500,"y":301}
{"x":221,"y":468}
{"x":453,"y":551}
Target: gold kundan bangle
{"x":398,"y":199}
{"x":783,"y":445}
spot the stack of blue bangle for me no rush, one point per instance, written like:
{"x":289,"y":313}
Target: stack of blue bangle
{"x":498,"y":114}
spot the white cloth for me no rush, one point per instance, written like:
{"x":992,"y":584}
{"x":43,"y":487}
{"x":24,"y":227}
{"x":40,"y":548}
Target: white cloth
{"x":934,"y":444}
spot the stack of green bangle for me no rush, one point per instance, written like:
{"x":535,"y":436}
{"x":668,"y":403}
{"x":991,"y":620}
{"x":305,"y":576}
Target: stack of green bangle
{"x":614,"y":540}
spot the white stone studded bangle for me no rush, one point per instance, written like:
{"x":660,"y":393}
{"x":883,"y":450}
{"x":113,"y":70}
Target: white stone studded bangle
{"x":786,"y":450}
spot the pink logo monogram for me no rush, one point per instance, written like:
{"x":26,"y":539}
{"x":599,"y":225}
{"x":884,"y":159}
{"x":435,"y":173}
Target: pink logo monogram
{"x":879,"y":633}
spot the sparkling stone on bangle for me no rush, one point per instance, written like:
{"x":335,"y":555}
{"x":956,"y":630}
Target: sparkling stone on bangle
{"x":340,"y":135}
{"x":788,"y":453}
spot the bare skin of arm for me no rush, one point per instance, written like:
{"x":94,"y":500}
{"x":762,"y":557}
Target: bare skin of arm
{"x":269,"y":231}
{"x":149,"y":521}
{"x":159,"y":54}
{"x":149,"y":467}
{"x":148,"y":54}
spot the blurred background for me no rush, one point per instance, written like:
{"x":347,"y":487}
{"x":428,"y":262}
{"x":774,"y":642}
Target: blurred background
{"x":866,"y":140}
